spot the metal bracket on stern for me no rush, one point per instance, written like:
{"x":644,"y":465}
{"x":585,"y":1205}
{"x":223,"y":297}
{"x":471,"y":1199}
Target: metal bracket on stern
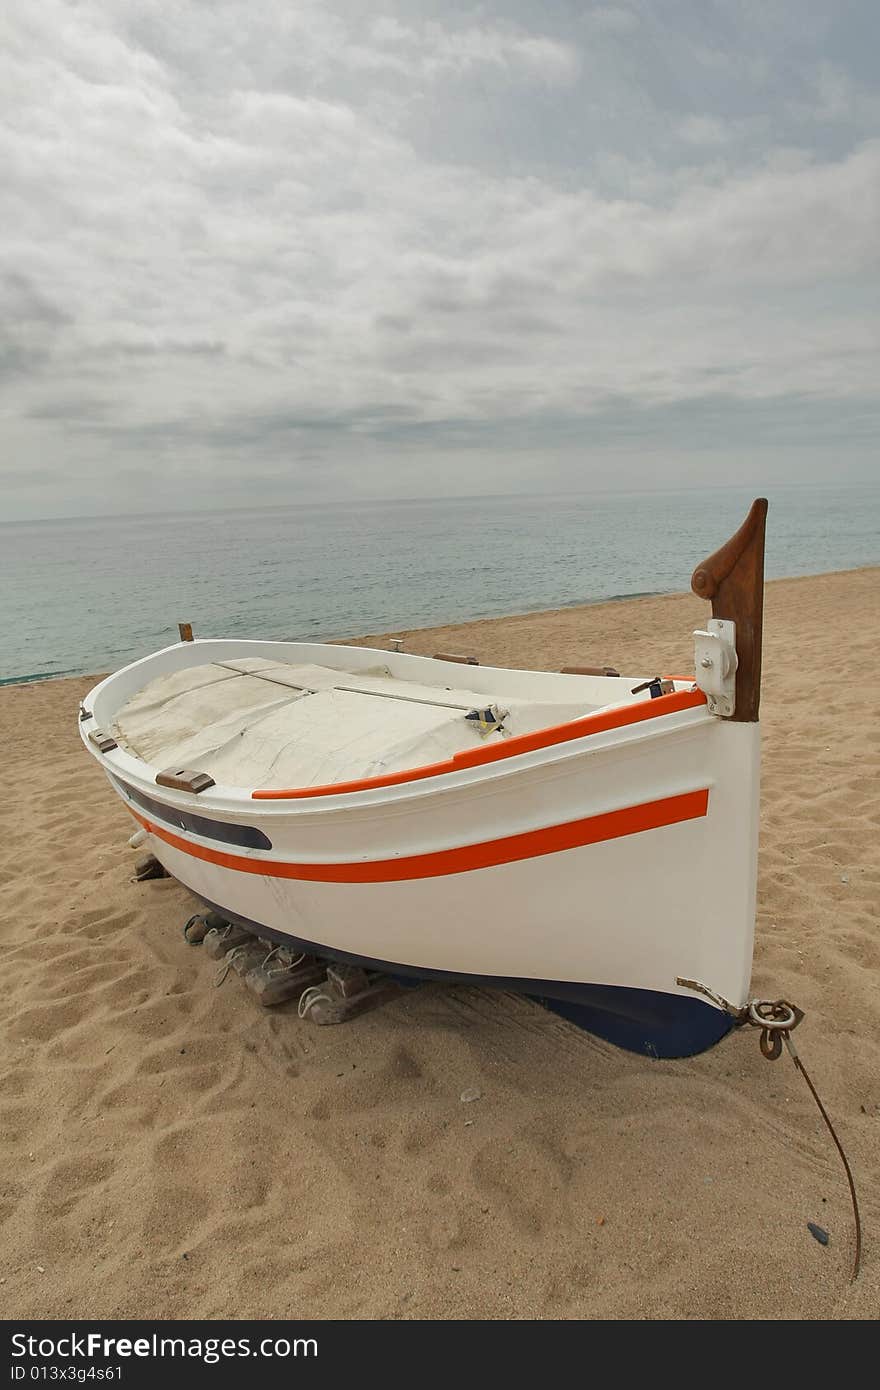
{"x":715,"y":662}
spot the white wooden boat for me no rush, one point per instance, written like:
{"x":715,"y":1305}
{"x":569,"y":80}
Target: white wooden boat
{"x":587,"y":838}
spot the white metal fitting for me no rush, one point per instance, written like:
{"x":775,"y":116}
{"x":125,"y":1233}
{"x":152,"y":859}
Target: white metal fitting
{"x":715,"y":663}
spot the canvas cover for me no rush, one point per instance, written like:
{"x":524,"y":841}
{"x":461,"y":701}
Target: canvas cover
{"x":256,"y":723}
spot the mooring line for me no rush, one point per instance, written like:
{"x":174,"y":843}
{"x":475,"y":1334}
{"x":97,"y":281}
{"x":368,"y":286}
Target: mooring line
{"x":777,"y":1019}
{"x":857,"y":1258}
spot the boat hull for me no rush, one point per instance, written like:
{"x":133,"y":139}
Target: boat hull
{"x":593,"y":872}
{"x":639,"y":1020}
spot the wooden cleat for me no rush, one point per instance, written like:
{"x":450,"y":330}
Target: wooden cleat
{"x":149,"y":867}
{"x":347,"y":980}
{"x":249,"y":956}
{"x":196,"y":929}
{"x":325,"y":1004}
{"x":184,"y":779}
{"x":198,"y":926}
{"x":283,"y":975}
{"x":219,"y":940}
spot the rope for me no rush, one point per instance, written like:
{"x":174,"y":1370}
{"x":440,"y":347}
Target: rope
{"x":857,"y":1257}
{"x":309,"y":997}
{"x":777,"y":1019}
{"x":226,"y":964}
{"x":281,"y":967}
{"x":196,"y":917}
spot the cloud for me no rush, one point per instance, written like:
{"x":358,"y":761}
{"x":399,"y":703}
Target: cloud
{"x":432,"y":50}
{"x":253,"y":242}
{"x":705,"y":130}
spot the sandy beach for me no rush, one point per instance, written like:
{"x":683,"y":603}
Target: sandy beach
{"x":171,"y":1150}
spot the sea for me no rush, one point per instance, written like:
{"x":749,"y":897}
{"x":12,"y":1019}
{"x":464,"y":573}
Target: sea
{"x":89,"y":594}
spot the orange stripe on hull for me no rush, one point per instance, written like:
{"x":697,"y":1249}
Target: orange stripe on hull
{"x":632,"y":820}
{"x":520,"y":743}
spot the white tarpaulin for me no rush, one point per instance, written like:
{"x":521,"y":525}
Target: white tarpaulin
{"x":254,"y":723}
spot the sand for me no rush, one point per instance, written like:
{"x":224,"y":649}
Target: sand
{"x":171,"y":1150}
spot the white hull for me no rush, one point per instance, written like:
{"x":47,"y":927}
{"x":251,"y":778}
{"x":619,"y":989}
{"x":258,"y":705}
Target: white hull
{"x":623,"y":856}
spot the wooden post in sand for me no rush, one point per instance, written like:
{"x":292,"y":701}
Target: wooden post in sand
{"x":733,"y":580}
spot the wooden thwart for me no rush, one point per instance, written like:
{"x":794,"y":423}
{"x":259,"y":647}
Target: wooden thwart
{"x":457,"y":657}
{"x":588,"y":671}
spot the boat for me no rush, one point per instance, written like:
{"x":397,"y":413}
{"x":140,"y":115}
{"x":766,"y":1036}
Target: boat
{"x":581,"y":836}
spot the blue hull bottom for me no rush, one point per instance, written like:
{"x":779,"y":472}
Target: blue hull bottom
{"x":639,"y":1020}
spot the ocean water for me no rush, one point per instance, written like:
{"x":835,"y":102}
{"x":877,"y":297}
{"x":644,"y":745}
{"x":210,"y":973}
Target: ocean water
{"x":86,"y":595}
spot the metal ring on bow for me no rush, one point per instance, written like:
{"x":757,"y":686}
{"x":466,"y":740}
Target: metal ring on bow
{"x":780,"y":1021}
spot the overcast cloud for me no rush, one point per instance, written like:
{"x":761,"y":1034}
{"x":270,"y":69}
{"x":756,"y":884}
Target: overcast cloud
{"x":256,"y":252}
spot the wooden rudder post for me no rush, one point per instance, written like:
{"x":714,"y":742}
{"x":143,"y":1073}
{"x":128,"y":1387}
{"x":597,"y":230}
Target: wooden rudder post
{"x":733,"y":581}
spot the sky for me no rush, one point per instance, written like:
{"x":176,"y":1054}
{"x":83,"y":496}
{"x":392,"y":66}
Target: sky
{"x":302,"y":250}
